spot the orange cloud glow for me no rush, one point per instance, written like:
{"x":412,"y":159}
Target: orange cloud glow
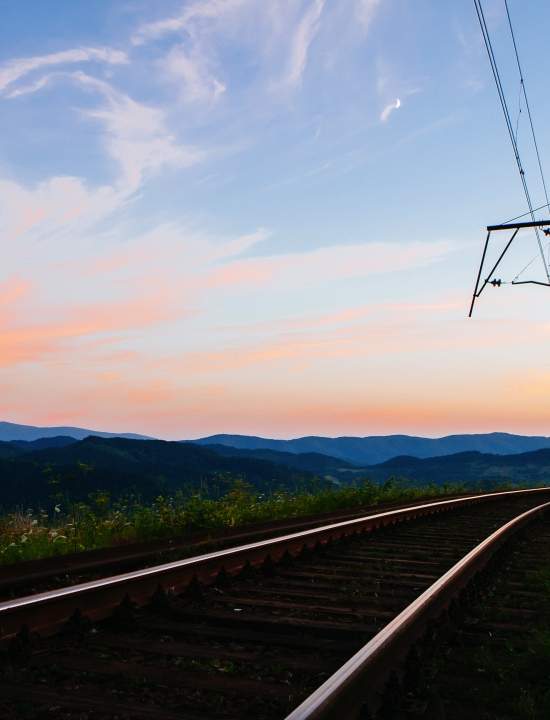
{"x":28,"y":342}
{"x":13,"y":290}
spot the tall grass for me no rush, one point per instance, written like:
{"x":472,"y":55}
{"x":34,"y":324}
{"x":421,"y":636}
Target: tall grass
{"x":75,"y":527}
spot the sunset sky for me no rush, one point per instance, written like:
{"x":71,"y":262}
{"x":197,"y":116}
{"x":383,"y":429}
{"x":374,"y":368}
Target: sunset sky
{"x":265,"y":217}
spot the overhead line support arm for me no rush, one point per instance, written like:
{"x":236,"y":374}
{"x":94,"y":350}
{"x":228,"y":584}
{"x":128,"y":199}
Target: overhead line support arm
{"x":518,"y":226}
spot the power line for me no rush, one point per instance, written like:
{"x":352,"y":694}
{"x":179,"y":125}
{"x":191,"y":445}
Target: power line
{"x":519,"y":114}
{"x":518,"y":217}
{"x":522,"y":81}
{"x":509,"y":125}
{"x":504,"y":105}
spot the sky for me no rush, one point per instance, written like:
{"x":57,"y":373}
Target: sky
{"x":266,"y":216}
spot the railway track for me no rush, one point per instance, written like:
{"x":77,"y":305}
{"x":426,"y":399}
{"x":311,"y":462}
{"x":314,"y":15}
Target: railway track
{"x":498,"y":646}
{"x":31,"y":576}
{"x":263,"y":631}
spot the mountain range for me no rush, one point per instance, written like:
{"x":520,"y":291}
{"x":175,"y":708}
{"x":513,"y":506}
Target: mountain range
{"x":471,"y":469}
{"x":360,"y":451}
{"x":44,"y":472}
{"x":63,"y":469}
{"x":377,"y":449}
{"x":12,"y":431}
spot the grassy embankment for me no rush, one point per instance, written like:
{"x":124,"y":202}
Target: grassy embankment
{"x":74,"y":527}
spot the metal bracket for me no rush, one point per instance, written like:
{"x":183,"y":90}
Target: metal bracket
{"x":516,"y":227}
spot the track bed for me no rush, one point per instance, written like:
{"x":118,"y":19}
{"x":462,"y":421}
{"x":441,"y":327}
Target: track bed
{"x":248,"y":647}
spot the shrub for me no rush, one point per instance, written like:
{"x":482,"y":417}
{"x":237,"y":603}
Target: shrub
{"x":74,"y":527}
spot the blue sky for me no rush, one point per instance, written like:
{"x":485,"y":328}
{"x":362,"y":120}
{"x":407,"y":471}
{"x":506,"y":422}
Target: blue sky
{"x":245,"y":216}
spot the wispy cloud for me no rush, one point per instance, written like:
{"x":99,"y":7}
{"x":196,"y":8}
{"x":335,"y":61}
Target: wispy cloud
{"x":31,"y":87}
{"x":201,"y":264}
{"x":197,"y":252}
{"x":11,"y":291}
{"x":15,"y":69}
{"x":136,"y":135}
{"x":356,"y":332}
{"x":387,"y":111}
{"x":191,"y":71}
{"x":301,"y":41}
{"x":191,"y":64}
{"x":365,"y":11}
{"x":318,"y":267}
{"x":53,"y":204}
{"x":23,"y":340}
{"x":196,"y":11}
{"x":232,"y":248}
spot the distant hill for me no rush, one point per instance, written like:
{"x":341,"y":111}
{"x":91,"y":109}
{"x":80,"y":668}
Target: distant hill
{"x":142,"y":468}
{"x":13,"y":448}
{"x":317,"y":463}
{"x":43,"y":443}
{"x":376,"y":449}
{"x":10,"y":450}
{"x":12,"y":431}
{"x":472,"y":469}
{"x":359,"y":451}
{"x":61,"y":469}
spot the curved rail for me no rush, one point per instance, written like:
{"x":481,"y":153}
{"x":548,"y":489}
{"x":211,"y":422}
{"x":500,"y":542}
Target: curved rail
{"x":362,"y":677}
{"x":45,"y":612}
{"x":23,"y":577}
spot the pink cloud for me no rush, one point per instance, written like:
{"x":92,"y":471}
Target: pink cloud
{"x":325,"y":265}
{"x":244,"y":274}
{"x":29,"y":342}
{"x":13,"y":290}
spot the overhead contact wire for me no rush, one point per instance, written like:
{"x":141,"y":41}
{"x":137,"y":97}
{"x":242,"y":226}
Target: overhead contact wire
{"x":509,"y":125}
{"x":522,"y":81}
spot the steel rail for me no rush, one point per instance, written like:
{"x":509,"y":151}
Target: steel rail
{"x":358,"y":684}
{"x":107,"y":561}
{"x":45,"y":612}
